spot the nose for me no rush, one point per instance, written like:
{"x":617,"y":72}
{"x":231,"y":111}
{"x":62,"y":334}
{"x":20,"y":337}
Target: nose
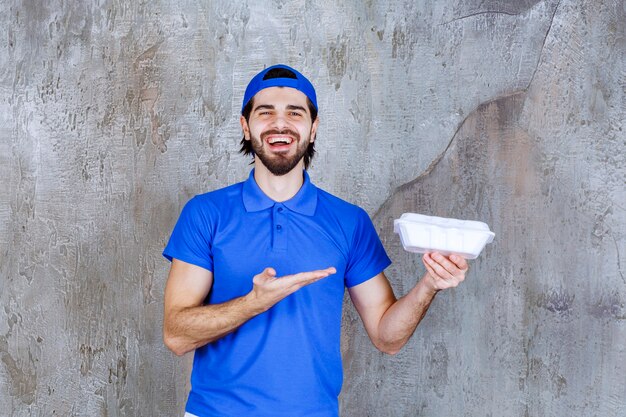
{"x":280,"y":122}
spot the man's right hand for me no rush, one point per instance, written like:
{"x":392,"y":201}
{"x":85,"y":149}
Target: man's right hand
{"x":268,"y":289}
{"x":188,"y":323}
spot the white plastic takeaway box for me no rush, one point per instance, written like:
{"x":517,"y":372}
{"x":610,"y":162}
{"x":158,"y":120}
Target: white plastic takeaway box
{"x":421,"y":234}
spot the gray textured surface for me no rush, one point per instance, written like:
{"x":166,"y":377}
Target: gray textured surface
{"x":113,"y":114}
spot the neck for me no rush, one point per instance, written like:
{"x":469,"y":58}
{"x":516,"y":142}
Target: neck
{"x":278,"y":188}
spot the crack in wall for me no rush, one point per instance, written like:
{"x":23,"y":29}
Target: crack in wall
{"x":543,"y":44}
{"x":619,"y":262}
{"x":495,"y":12}
{"x":439,"y":157}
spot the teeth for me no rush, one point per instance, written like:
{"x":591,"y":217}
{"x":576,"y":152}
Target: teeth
{"x":280,"y":140}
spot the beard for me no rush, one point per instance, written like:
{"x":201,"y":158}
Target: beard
{"x":279,"y":164}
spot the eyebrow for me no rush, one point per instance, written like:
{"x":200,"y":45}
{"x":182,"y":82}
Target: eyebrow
{"x":294,"y":107}
{"x":271,"y":107}
{"x":264,"y":106}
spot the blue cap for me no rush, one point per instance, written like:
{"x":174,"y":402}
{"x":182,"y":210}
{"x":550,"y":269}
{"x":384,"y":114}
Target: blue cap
{"x":300,"y":83}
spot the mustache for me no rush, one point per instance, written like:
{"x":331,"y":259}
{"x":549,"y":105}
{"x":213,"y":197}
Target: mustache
{"x":280,"y":132}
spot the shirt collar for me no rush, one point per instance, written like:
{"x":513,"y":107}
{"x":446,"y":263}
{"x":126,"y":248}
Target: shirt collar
{"x":304,"y":202}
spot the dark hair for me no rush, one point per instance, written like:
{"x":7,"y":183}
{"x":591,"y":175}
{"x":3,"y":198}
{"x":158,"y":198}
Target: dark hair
{"x":246,"y":146}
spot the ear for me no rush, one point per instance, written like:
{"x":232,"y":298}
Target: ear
{"x":245,"y":127}
{"x":314,"y":129}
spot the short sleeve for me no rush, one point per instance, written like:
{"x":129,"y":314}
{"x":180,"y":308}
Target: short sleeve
{"x":367,"y":256}
{"x":191,"y":239}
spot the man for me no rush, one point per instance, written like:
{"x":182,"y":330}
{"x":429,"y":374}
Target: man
{"x":259,"y":270}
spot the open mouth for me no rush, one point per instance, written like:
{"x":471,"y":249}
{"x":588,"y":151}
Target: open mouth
{"x":279,"y":142}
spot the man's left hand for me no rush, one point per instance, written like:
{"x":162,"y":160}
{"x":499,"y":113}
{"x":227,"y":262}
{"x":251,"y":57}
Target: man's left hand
{"x":444,"y":271}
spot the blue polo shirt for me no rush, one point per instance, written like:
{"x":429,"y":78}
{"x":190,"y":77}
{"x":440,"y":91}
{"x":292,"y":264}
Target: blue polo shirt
{"x":285,"y":362}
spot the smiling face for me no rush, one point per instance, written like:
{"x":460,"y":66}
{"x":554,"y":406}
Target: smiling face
{"x":279,"y":128}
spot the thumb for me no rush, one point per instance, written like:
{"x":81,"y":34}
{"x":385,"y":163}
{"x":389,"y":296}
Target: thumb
{"x":263,"y":277}
{"x":269,"y":272}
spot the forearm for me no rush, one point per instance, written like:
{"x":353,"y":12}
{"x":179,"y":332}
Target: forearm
{"x":390,"y":323}
{"x":399,"y":322}
{"x":187,"y":325}
{"x":190,"y":328}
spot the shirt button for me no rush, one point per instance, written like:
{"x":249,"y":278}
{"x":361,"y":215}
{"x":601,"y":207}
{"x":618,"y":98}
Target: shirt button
{"x":280,"y":209}
{"x":279,"y":227}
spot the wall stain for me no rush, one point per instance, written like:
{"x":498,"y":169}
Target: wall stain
{"x":147,"y":55}
{"x":438,"y":368}
{"x":118,"y":373}
{"x":160,"y":133}
{"x":543,"y":374}
{"x":556,"y":301}
{"x":609,"y":306}
{"x":23,"y":377}
{"x":88,"y":354}
{"x":403,"y":41}
{"x":147,"y":279}
{"x":337,"y":60}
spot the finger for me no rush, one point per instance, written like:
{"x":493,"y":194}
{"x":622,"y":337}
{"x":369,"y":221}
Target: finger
{"x":305,"y":278}
{"x":267,"y":275}
{"x":440,"y":283}
{"x":446,"y":263}
{"x":312,"y":275}
{"x":430,"y":270}
{"x":460,"y":262}
{"x":325,"y":272}
{"x":433,"y":261}
{"x":426,"y":261}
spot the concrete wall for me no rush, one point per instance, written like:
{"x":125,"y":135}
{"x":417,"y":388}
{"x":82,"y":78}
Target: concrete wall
{"x":113,"y":114}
